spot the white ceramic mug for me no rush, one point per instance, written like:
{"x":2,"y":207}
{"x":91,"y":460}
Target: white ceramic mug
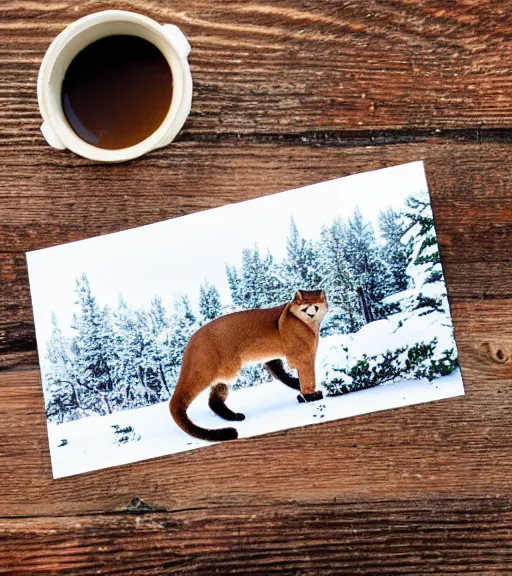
{"x":171,"y":42}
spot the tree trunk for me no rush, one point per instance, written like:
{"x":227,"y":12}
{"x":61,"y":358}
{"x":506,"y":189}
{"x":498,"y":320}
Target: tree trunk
{"x":143,"y":384}
{"x":162,"y":377}
{"x":141,"y":377}
{"x":109,"y":407}
{"x":75,"y":386}
{"x":365,"y":305}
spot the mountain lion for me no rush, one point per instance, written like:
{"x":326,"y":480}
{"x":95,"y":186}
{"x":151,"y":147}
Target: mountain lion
{"x":218,"y":350}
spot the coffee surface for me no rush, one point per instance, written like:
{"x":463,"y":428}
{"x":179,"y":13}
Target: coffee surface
{"x":117,"y":91}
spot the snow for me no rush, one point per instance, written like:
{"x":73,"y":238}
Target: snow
{"x":268,"y":408}
{"x":398,"y":331}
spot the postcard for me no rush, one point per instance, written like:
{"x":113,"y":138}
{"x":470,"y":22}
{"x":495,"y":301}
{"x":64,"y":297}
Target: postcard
{"x":289,"y":310}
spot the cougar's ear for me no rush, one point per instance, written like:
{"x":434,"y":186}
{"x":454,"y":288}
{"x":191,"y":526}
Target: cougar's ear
{"x":299,"y":295}
{"x":323,"y":296}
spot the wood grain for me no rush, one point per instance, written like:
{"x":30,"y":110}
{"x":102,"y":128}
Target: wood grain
{"x":440,"y":536}
{"x":285,"y":94}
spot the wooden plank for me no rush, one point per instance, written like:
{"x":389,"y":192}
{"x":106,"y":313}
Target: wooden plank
{"x":67,"y":200}
{"x":473,"y":213}
{"x":295,"y":67}
{"x":452,"y":447}
{"x":443,"y":536}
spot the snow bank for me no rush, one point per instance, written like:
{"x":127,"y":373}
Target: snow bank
{"x":397,"y":331}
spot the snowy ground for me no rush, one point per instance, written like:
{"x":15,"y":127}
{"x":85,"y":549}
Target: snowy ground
{"x":268,"y":407}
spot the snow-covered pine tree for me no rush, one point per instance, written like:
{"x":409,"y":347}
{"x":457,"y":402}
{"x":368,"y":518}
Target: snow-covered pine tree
{"x":157,"y":316}
{"x":426,"y":251}
{"x":425,"y":268}
{"x":210,"y":305}
{"x":278,"y":288}
{"x":142,"y":347}
{"x":370,"y":271}
{"x":183,"y":325}
{"x":150,"y":359}
{"x":235,"y":287}
{"x":396,"y":252}
{"x":254,"y":278}
{"x":345,"y":313}
{"x":258,"y":283}
{"x":159,"y":347}
{"x":63,"y":390}
{"x":94,"y":345}
{"x":130,"y":389}
{"x":142,"y":360}
{"x":301,"y":265}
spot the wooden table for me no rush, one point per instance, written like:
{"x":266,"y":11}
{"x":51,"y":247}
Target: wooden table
{"x":287,"y":93}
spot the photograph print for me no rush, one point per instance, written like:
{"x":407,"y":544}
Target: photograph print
{"x":292,"y":309}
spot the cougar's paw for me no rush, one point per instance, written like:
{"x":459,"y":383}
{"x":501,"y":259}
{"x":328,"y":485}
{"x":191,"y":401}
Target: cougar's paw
{"x":313,"y":397}
{"x":240,"y":416}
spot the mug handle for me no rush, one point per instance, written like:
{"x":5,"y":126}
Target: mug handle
{"x":50,"y":136}
{"x":177,"y":38}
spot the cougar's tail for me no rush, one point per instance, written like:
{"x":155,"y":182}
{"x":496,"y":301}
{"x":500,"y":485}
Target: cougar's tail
{"x":179,"y":412}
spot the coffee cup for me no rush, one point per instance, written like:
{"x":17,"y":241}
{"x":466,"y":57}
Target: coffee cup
{"x":167,"y":38}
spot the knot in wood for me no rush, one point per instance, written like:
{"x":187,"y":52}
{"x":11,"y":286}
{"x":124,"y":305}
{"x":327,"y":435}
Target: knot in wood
{"x":499,"y":353}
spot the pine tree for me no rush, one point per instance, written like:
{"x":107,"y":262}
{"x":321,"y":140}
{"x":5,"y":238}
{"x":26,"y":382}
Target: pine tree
{"x":158,"y":348}
{"x":277,"y":287}
{"x":130,"y":391}
{"x":210,"y":305}
{"x":184,"y":325}
{"x":426,"y":251}
{"x":235,"y":288}
{"x":141,"y":341}
{"x":396,"y":252}
{"x":94,"y":343}
{"x":254,"y":271}
{"x":345,"y":313}
{"x":301,"y":265}
{"x":370,"y":272}
{"x":63,"y":390}
{"x":142,"y":369}
{"x":425,"y":268}
{"x":158,"y":316}
{"x":258,"y":283}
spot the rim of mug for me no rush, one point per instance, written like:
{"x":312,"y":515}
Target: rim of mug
{"x":54,"y":115}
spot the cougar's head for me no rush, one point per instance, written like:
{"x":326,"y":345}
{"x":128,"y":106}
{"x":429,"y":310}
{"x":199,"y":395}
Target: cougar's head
{"x":310,"y":306}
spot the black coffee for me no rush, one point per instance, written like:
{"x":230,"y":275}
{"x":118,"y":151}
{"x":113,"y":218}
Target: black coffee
{"x":117,"y":91}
